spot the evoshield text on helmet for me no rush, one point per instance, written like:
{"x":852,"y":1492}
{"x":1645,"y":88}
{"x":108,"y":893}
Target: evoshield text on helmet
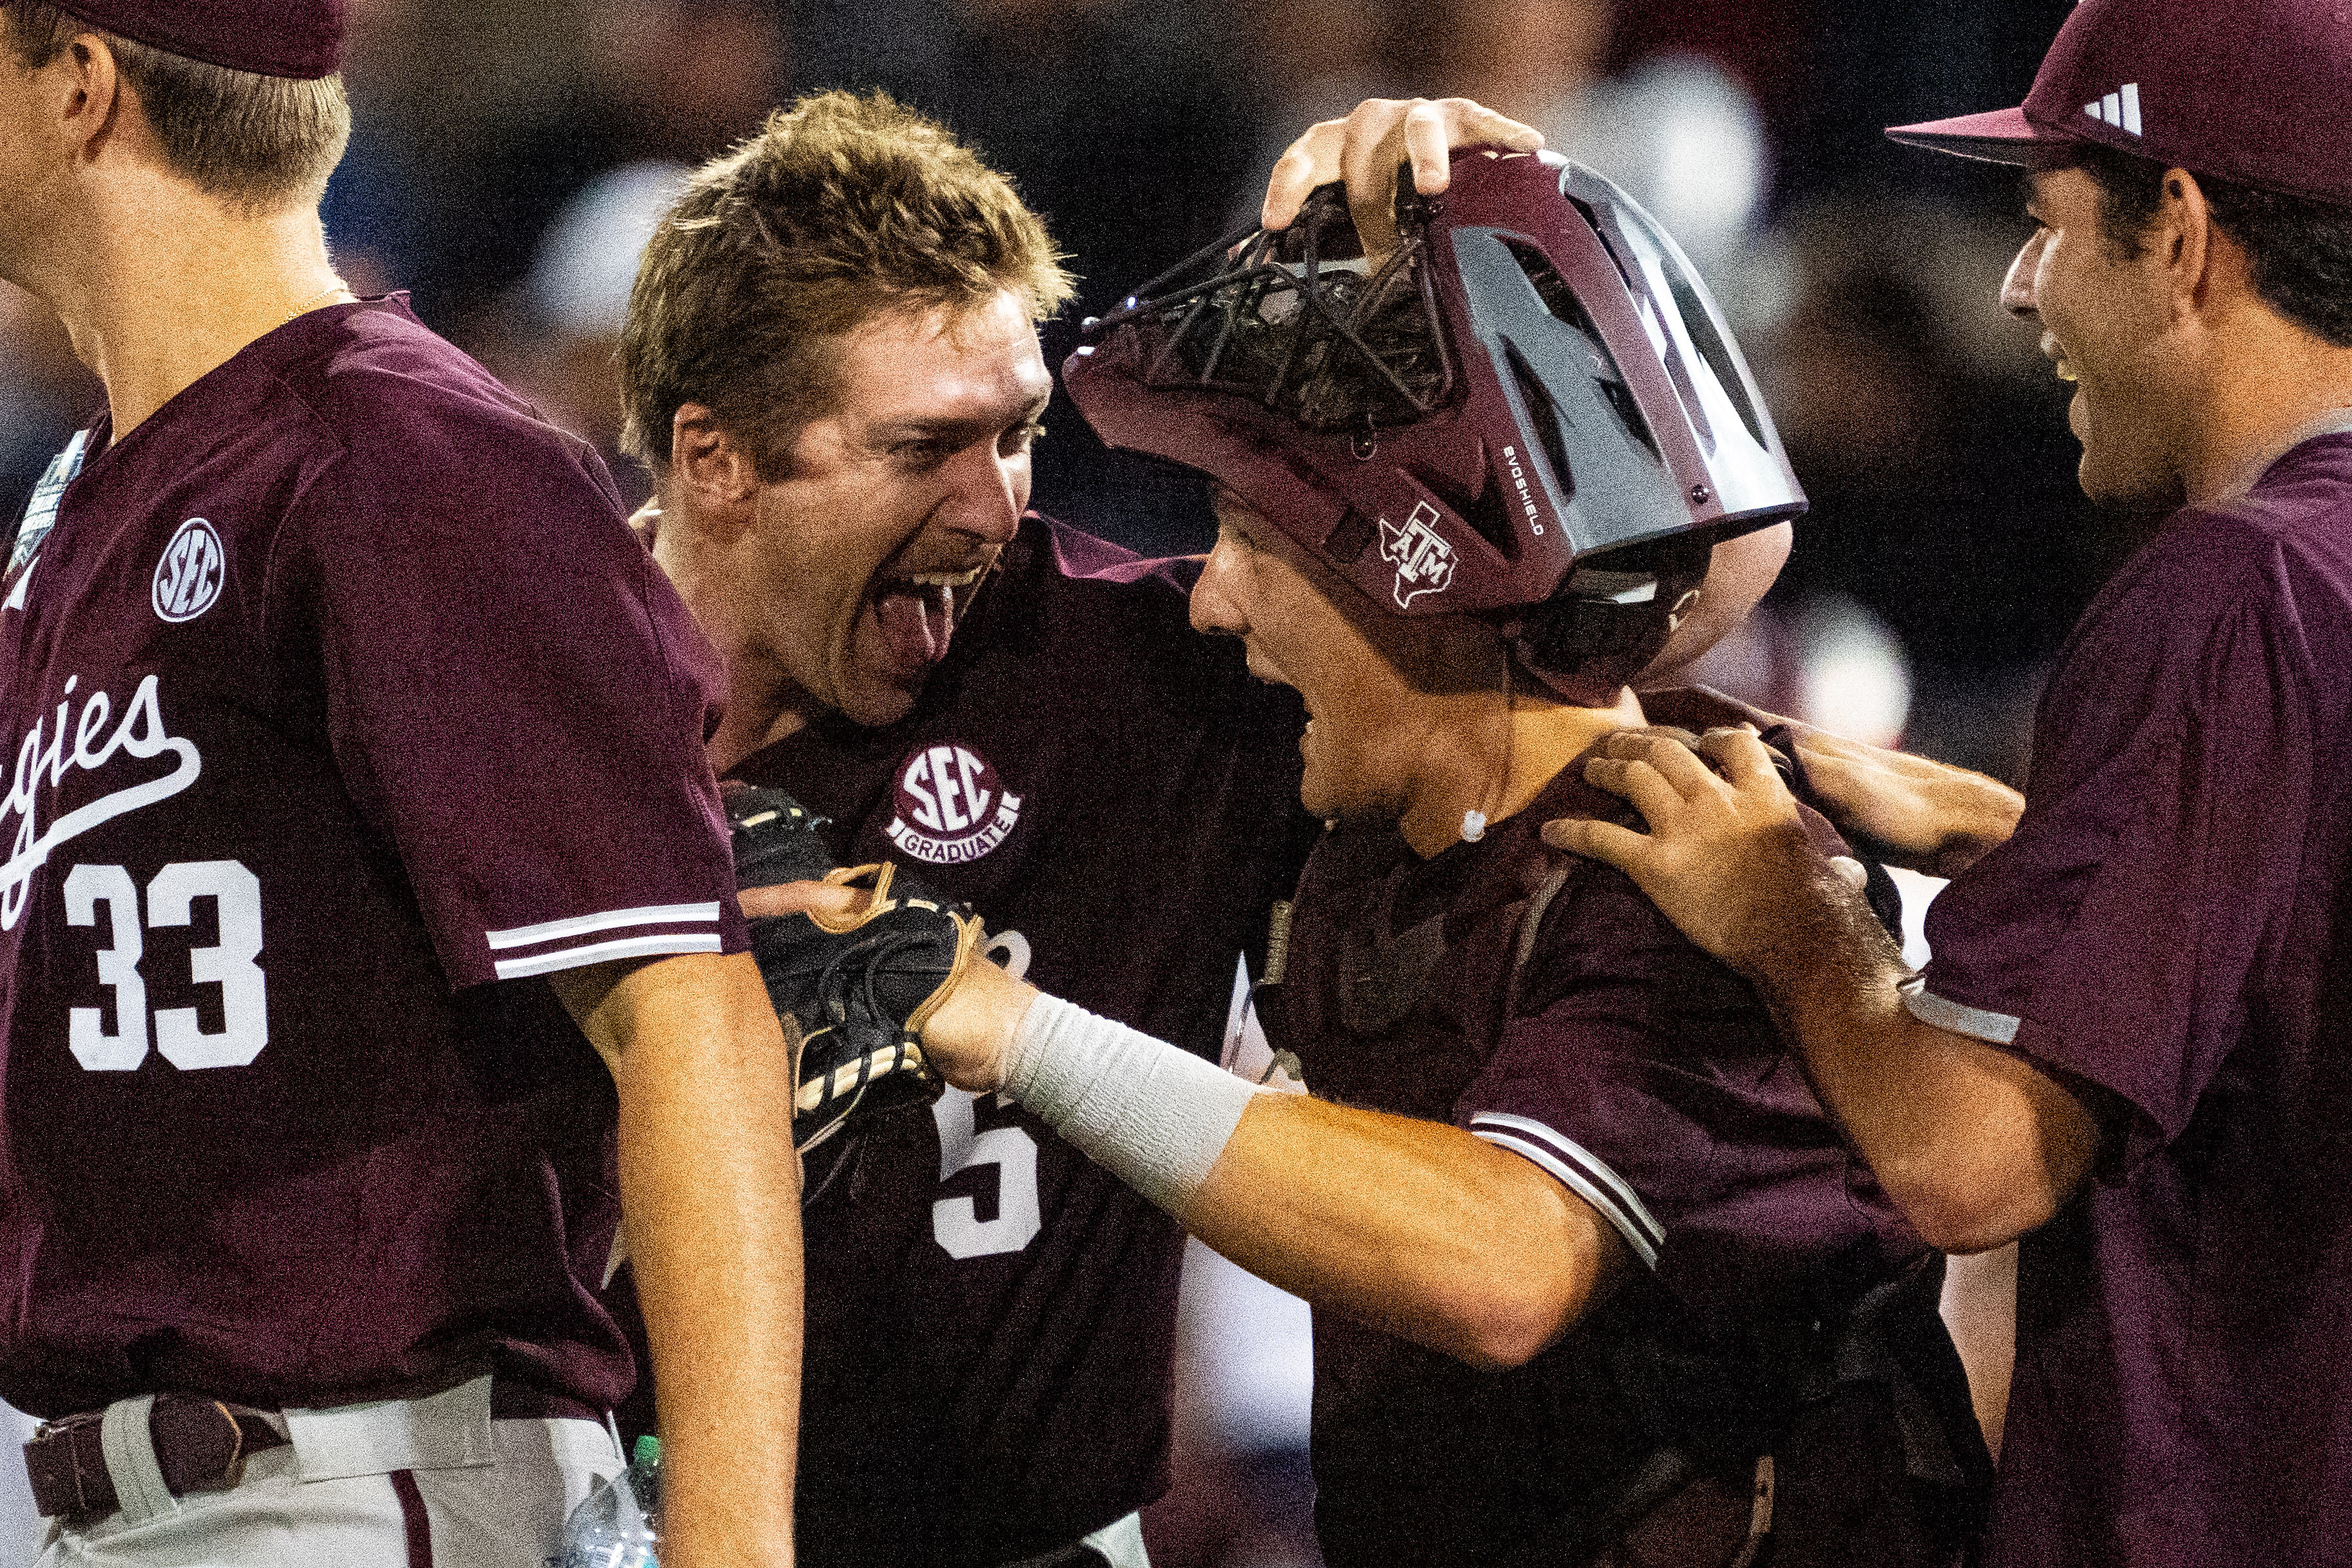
{"x":1532,"y":401}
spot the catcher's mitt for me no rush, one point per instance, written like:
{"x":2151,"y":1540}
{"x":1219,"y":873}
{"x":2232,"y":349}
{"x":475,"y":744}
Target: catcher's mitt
{"x":859,"y":988}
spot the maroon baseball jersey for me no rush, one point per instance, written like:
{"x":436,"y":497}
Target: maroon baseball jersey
{"x":2166,"y":934}
{"x":989,"y":1314}
{"x":1649,"y":1081}
{"x":341,"y":703}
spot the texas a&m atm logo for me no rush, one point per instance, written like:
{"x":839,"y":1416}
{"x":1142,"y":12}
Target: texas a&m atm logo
{"x":951,"y":805}
{"x":1424,"y":560}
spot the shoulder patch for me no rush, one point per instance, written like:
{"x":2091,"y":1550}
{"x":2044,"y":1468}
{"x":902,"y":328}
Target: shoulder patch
{"x":188,"y":578}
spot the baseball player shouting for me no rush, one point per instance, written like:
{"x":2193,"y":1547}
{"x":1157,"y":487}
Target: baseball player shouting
{"x":308,"y":1176}
{"x":2130,"y":1048}
{"x":1594,"y":1279}
{"x":838,"y":394}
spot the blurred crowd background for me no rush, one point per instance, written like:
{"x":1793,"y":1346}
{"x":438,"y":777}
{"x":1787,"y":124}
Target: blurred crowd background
{"x":511,"y":154}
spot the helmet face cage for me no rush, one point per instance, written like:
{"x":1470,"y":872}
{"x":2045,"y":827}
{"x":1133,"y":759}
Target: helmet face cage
{"x":1533,"y":378}
{"x":1262,"y":314}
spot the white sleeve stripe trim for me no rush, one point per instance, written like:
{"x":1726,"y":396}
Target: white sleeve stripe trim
{"x":1976,"y":1022}
{"x":580,"y":925}
{"x":1584,"y":1159}
{"x":604,"y":952}
{"x":1576,"y":1182}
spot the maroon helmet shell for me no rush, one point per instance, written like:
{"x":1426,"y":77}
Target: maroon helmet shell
{"x":1620,"y":415}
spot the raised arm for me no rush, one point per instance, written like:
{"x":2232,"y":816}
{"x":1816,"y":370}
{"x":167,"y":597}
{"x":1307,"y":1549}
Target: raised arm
{"x":1974,"y":1144}
{"x":710,"y":1193}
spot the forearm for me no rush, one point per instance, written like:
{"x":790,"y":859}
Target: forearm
{"x":1412,"y":1227}
{"x":1973,"y":1144}
{"x":1925,"y":816}
{"x":710,"y":1193}
{"x":1415,"y":1227}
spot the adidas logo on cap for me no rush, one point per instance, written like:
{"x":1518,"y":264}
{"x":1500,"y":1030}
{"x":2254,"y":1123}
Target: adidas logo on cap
{"x":2119,"y":108}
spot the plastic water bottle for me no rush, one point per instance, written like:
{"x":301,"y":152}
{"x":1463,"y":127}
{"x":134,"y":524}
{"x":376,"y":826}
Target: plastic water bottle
{"x":618,"y":1524}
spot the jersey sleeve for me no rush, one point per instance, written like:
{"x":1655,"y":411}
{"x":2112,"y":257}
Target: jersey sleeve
{"x":518,"y":701}
{"x":2119,"y":938}
{"x":1649,"y":1081}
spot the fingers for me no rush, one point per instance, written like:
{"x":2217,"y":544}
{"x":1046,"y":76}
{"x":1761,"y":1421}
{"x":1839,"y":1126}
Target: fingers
{"x":1427,"y":143}
{"x":1666,"y":732}
{"x":1313,"y":160}
{"x":1851,"y":872}
{"x":800,"y":898}
{"x":1743,"y":758}
{"x":1365,"y":148}
{"x":1369,"y":155}
{"x":1434,"y":128}
{"x":1627,"y":761}
{"x":1639,"y":782}
{"x":1602,"y":841}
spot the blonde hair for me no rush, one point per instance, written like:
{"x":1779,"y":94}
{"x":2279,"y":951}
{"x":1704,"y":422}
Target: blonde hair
{"x":260,"y":143}
{"x":843,"y":208}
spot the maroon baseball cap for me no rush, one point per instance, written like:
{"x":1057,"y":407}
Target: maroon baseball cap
{"x":301,"y":38}
{"x":2250,"y":91}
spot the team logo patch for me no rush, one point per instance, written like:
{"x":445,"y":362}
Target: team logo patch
{"x":951,"y":805}
{"x":188,"y":579}
{"x":1424,"y":560}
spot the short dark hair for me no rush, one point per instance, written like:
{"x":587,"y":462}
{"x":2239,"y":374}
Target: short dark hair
{"x":257,"y":141}
{"x":2301,"y":249}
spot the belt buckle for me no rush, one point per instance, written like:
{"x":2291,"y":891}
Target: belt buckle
{"x":52,"y":1437}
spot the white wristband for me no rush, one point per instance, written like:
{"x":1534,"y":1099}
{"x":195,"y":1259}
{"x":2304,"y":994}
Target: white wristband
{"x":1155,"y":1117}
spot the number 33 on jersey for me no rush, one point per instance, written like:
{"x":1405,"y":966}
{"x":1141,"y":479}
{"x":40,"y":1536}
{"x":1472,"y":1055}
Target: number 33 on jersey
{"x":229,"y":963}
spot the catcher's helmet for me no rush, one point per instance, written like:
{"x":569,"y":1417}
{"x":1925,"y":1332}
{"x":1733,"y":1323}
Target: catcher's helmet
{"x":1531,"y":409}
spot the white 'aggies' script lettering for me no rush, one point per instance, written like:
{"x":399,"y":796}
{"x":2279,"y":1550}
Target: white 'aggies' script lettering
{"x":43,"y":755}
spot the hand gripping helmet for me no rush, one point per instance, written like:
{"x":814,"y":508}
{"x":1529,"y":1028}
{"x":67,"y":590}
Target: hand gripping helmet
{"x":1531,"y":409}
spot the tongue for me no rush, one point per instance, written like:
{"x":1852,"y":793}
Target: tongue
{"x":917,"y":624}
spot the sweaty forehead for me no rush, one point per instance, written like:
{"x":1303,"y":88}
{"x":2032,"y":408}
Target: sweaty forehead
{"x":945,"y":363}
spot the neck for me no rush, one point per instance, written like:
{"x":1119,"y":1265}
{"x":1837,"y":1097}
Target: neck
{"x":762,"y":708}
{"x":1488,"y":761}
{"x":159,"y":284}
{"x":2271,"y":386}
{"x":756,"y":718}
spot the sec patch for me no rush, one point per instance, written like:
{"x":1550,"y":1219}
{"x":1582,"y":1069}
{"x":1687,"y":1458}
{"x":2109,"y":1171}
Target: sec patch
{"x":951,"y":805}
{"x":188,"y":578}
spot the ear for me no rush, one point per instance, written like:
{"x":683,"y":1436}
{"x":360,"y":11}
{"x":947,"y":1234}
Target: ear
{"x":92,"y":91}
{"x":2188,"y":247}
{"x":708,"y":464}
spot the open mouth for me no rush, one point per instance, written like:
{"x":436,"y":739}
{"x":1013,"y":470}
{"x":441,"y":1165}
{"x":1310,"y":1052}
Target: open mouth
{"x":917,"y":613}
